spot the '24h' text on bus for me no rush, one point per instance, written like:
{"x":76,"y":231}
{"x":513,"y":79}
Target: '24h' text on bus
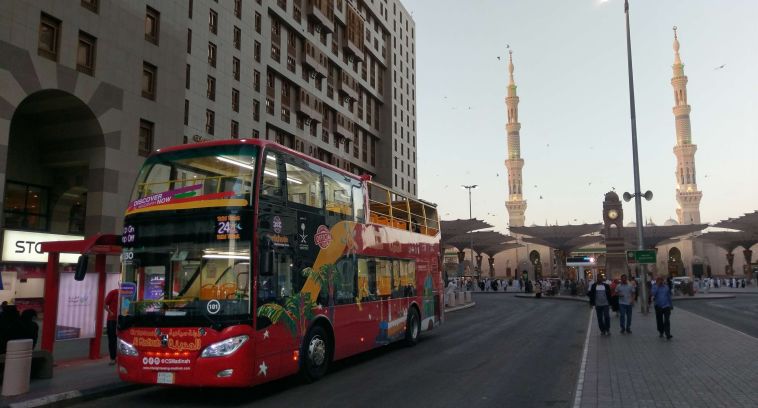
{"x":245,"y":261}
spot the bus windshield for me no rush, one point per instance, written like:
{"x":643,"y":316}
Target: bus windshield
{"x":218,"y":175}
{"x":193,"y":269}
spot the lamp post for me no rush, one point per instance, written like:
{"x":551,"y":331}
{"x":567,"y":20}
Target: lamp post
{"x":471,"y":236}
{"x":637,"y":195}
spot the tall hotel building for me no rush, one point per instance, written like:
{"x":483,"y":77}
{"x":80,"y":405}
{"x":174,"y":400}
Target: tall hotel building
{"x":88,"y":88}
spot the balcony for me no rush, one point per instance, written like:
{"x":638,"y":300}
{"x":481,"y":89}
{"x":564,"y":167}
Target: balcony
{"x":321,"y":12}
{"x":309,"y":106}
{"x":345,"y":127}
{"x":348,"y":87}
{"x":315,"y":60}
{"x":353,"y":50}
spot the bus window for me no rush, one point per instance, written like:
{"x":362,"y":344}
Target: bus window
{"x":271,"y":185}
{"x":396,"y":280}
{"x":366,"y":280}
{"x":383,"y":277}
{"x":410,"y":278}
{"x":344,"y":291}
{"x":337,"y":192}
{"x":358,"y":204}
{"x":303,"y":186}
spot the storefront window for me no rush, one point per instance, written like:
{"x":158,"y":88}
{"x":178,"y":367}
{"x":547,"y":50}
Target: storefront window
{"x":26,"y":206}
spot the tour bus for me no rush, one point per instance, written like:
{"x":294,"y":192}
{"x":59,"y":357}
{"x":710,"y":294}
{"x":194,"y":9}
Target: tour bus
{"x":244,"y":261}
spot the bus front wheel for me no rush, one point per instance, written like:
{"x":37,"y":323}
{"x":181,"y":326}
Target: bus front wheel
{"x":412,"y":327}
{"x":316,"y":353}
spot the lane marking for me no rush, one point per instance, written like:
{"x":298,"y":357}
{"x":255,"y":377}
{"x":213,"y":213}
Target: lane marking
{"x":583,"y":367}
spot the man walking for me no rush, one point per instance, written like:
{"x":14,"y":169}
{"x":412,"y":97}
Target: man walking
{"x":626,"y":293}
{"x":662,"y":301}
{"x":600,"y":297}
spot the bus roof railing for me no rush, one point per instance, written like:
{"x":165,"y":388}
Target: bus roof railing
{"x":396,"y":210}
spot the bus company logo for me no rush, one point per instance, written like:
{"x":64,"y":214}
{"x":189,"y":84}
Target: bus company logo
{"x":277,"y":224}
{"x":323,"y":237}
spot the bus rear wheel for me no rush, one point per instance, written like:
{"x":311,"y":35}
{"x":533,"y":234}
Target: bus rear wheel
{"x":316,"y":354}
{"x":412,"y":327}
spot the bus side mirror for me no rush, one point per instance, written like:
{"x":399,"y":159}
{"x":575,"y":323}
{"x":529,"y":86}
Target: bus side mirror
{"x":81,"y":267}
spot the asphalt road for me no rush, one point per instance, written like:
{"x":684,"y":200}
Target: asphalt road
{"x":739,"y":313}
{"x":505,"y":351}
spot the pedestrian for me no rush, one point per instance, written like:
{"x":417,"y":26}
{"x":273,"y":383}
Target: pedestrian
{"x":662,"y":299}
{"x":29,"y":327}
{"x":111,"y":306}
{"x":626,"y":293}
{"x":600,"y":298}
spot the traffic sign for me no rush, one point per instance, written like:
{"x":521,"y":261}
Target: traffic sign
{"x":644,"y":256}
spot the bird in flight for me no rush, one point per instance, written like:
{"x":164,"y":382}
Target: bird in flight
{"x":720,"y":67}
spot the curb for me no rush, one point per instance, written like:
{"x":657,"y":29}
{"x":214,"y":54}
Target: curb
{"x":72,"y":397}
{"x":706,"y":297}
{"x":457,"y":308}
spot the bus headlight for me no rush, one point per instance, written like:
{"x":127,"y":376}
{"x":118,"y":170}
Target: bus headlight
{"x":225,"y":347}
{"x":126,"y":348}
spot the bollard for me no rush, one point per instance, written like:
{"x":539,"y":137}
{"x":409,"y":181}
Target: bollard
{"x":468,"y":296}
{"x":18,"y":366}
{"x":460,"y":298}
{"x":450,"y":299}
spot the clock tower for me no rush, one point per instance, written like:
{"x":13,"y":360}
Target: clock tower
{"x":615,"y":245}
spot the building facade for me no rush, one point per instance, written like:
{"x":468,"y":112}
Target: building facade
{"x":89,"y":88}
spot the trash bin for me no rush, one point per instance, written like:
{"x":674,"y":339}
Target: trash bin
{"x":18,"y":366}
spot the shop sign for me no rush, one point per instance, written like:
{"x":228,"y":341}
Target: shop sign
{"x":22,"y":246}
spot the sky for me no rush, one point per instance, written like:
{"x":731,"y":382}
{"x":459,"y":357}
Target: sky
{"x":571,"y":72}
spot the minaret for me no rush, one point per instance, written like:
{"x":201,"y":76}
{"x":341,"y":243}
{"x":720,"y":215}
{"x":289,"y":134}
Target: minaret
{"x":514,"y":163}
{"x":687,"y":194}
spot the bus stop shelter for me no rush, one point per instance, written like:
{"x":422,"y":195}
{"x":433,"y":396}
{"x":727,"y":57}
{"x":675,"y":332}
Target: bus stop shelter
{"x":99,"y":245}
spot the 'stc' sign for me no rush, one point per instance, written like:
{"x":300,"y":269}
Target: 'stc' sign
{"x":22,"y":246}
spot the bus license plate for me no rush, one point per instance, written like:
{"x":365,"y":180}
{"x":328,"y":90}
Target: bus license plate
{"x":165,"y":378}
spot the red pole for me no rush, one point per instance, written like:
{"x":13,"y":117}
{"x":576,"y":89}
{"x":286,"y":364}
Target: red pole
{"x":94,"y":344}
{"x":50,"y":307}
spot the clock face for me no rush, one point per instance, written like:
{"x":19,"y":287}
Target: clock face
{"x":613,"y":214}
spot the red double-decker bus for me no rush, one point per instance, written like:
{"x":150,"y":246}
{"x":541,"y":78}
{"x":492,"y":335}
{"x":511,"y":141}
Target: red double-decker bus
{"x":245,"y":261}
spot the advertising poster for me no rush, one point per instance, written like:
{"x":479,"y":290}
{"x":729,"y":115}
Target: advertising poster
{"x":76,"y":307}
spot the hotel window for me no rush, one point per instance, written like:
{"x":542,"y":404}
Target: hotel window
{"x":186,"y":112}
{"x":91,"y":5}
{"x":210,"y":121}
{"x":26,"y":206}
{"x":257,"y":51}
{"x":238,"y":8}
{"x":256,"y":110}
{"x":235,"y":129}
{"x":257,"y":80}
{"x":152,"y":24}
{"x":257,"y":22}
{"x":211,"y":94}
{"x":237,"y":37}
{"x":235,"y":100}
{"x":236,"y":68}
{"x":275,"y":53}
{"x":269,"y":106}
{"x":85,"y":56}
{"x":187,"y":77}
{"x":212,"y":54}
{"x":145,"y":142}
{"x":49,"y":37}
{"x":213,"y":22}
{"x":189,"y":41}
{"x":189,"y":6}
{"x":149,"y":80}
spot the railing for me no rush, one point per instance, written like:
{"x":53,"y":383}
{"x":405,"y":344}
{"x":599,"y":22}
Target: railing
{"x":390,"y":208}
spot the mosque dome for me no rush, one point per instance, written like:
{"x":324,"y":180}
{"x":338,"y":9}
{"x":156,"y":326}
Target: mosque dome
{"x":669,"y":222}
{"x":631,"y":224}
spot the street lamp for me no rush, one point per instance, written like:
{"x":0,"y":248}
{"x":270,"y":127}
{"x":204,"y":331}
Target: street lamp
{"x":637,"y":195}
{"x":471,"y":236}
